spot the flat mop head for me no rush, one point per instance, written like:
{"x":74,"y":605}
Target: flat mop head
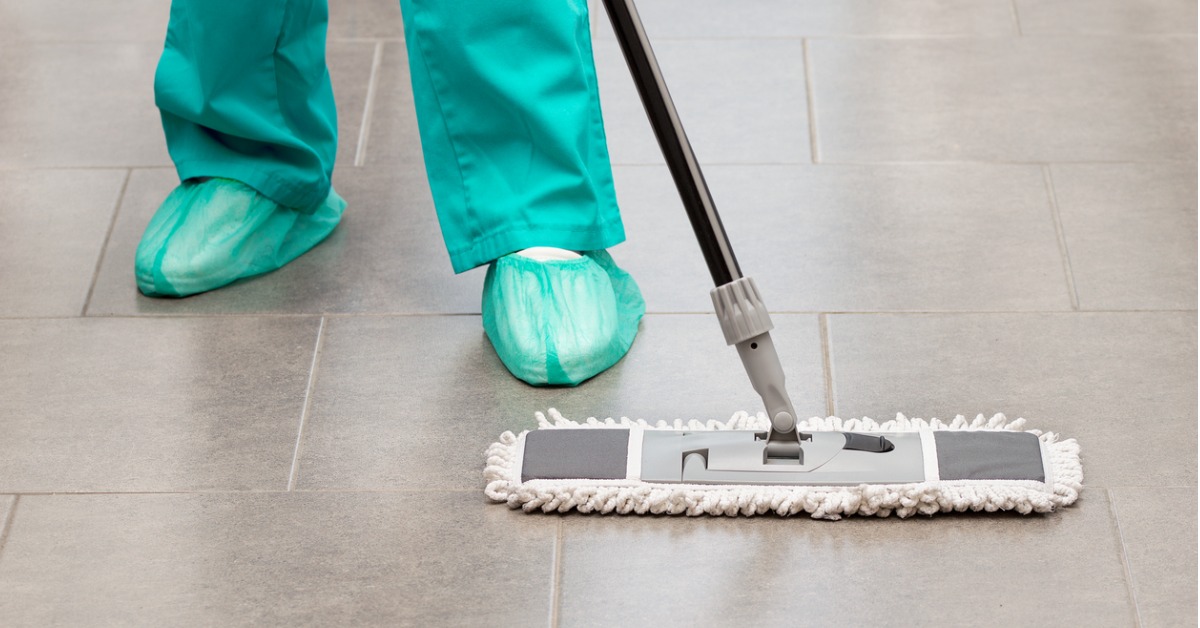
{"x":922,"y":467}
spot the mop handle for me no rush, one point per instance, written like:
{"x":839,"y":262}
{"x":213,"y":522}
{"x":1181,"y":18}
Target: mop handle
{"x":739,"y":307}
{"x":693,"y":190}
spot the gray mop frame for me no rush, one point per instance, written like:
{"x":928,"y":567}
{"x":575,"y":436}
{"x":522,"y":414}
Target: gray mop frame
{"x":926,"y":466}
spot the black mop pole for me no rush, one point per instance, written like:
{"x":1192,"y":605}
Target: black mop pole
{"x":693,"y":190}
{"x":739,"y":307}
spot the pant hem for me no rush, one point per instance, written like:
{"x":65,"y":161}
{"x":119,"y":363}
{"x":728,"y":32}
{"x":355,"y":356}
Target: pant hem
{"x":496,"y":245}
{"x":285,"y":192}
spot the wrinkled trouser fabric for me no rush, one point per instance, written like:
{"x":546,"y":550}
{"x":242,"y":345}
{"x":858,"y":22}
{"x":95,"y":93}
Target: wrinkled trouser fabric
{"x":506,"y":101}
{"x":244,"y":94}
{"x":509,"y":114}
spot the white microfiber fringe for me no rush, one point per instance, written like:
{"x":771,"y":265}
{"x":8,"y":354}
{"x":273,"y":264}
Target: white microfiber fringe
{"x":502,"y":474}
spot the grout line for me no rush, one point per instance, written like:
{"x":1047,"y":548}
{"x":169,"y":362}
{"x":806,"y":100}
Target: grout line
{"x":332,"y":315}
{"x":308,"y":393}
{"x":1112,"y":508}
{"x":336,"y":491}
{"x":1062,"y":237}
{"x":827,"y":363}
{"x":609,"y":37}
{"x":112,"y":222}
{"x":6,"y":527}
{"x":118,"y":167}
{"x":1016,"y":15}
{"x":811,"y":99}
{"x":920,"y":37}
{"x":907,"y":163}
{"x":364,"y":129}
{"x":386,"y":491}
{"x":556,"y":578}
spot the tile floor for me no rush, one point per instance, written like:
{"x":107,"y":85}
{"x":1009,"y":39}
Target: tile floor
{"x":955,"y":206}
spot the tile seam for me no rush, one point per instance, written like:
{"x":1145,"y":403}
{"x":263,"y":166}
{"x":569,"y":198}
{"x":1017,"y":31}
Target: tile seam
{"x":364,"y":128}
{"x":1130,"y":589}
{"x":917,"y":37}
{"x":556,"y":576}
{"x":907,"y":163}
{"x":810,"y":98}
{"x":391,"y":491}
{"x":1061,"y":235}
{"x":6,"y":528}
{"x":340,"y":315}
{"x":112,"y":223}
{"x":827,"y":363}
{"x":308,"y":394}
{"x":334,"y":491}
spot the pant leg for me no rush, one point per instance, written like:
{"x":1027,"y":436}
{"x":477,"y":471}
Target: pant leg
{"x":245,"y":94}
{"x":510,"y":122}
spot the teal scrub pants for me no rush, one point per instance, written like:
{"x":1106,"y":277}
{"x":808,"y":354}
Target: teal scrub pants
{"x":506,"y":98}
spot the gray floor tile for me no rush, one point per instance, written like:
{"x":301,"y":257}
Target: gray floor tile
{"x":1139,"y":17}
{"x":395,"y":141}
{"x":69,"y":20}
{"x":1158,"y":527}
{"x":1122,"y":384}
{"x":412,"y":402}
{"x":151,"y":404}
{"x":386,"y":256}
{"x":117,"y":124}
{"x":838,"y":238}
{"x":276,"y":559}
{"x":365,"y":19}
{"x":79,"y":104}
{"x":675,"y":19}
{"x":1131,"y":233}
{"x":620,"y":571}
{"x":6,"y":504}
{"x":736,"y":109}
{"x":1005,"y":99}
{"x":52,"y":227}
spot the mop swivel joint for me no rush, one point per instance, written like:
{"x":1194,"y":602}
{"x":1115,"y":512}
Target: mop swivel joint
{"x":747,"y":326}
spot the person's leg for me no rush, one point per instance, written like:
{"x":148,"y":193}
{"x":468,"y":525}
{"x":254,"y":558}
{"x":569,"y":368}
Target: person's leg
{"x":509,"y":114}
{"x":248,"y":112}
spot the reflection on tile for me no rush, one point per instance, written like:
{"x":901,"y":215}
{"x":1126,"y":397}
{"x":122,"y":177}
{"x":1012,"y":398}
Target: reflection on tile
{"x":1131,"y":233}
{"x":838,"y":238}
{"x":1095,"y":377}
{"x":1005,"y":99}
{"x":698,"y":19}
{"x":358,"y":19}
{"x":620,"y":571}
{"x":350,"y":69}
{"x":736,"y":109}
{"x":1121,"y":17}
{"x":386,"y":256}
{"x":1158,"y":526}
{"x":276,"y":559}
{"x":151,"y":404}
{"x":395,"y":142}
{"x":106,"y":117}
{"x":70,"y":20}
{"x":52,"y":228}
{"x":412,"y":402}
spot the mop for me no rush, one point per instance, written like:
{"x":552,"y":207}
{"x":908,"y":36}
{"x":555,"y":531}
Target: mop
{"x":769,"y":462}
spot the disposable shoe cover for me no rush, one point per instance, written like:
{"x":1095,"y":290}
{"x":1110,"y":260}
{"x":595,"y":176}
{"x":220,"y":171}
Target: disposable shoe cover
{"x":560,"y":322}
{"x":209,"y":233}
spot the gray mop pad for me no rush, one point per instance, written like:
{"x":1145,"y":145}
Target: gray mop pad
{"x":1025,"y":471}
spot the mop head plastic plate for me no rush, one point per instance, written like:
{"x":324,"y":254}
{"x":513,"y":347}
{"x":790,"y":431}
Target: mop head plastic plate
{"x":507,"y":481}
